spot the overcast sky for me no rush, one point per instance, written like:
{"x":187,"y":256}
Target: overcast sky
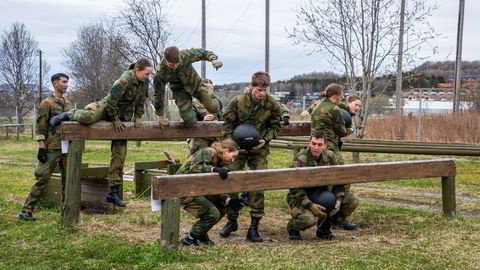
{"x":235,"y":31}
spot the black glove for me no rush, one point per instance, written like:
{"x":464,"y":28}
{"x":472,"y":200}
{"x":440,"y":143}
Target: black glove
{"x":236,"y":204}
{"x":222,"y":171}
{"x":286,"y":120}
{"x":340,"y":144}
{"x":42,"y":155}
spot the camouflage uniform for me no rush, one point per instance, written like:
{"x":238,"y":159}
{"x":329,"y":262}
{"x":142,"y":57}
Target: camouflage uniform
{"x":298,"y":198}
{"x":196,"y":144}
{"x":125,"y":101}
{"x":185,"y":83}
{"x":285,"y":110}
{"x":208,"y":209}
{"x":48,"y":108}
{"x":265,"y":115}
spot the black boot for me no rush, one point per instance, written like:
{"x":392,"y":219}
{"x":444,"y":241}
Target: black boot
{"x":231,"y":226}
{"x":57,"y":119}
{"x":206,"y":240}
{"x":252,"y":234}
{"x":189,"y":240}
{"x":26,"y":216}
{"x":349,"y":226}
{"x":113,"y":196}
{"x":323,"y":230}
{"x":293,"y":234}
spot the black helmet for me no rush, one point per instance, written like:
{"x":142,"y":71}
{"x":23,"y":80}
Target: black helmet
{"x":247,"y":136}
{"x":347,"y":117}
{"x":324,"y":198}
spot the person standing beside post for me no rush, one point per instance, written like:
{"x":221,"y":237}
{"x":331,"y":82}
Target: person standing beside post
{"x":49,"y":153}
{"x":258,"y":108}
{"x":124,"y":103}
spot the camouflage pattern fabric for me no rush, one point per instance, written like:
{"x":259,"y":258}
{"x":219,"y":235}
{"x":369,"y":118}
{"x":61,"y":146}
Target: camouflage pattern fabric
{"x":49,"y":107}
{"x":196,"y":144}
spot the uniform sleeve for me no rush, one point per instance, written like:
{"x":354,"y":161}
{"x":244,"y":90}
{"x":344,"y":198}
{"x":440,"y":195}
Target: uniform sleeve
{"x":195,"y":55}
{"x":299,"y":194}
{"x":140,"y":106}
{"x":338,"y":190}
{"x":41,"y":128}
{"x":285,"y":111}
{"x":114,"y":96}
{"x":159,"y":93}
{"x":202,"y":161}
{"x":275,"y":120}
{"x":339,"y":123}
{"x":230,"y":118}
{"x":314,"y":104}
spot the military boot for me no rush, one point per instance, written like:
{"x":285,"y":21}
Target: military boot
{"x":231,"y":226}
{"x":252,"y":234}
{"x":26,"y":216}
{"x":113,"y":196}
{"x":323,"y":230}
{"x":349,"y":226}
{"x":205,"y":240}
{"x":57,"y":119}
{"x":293,"y":234}
{"x":189,"y":240}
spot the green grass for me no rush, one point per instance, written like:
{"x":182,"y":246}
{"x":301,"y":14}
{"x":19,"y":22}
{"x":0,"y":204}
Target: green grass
{"x":390,"y":237}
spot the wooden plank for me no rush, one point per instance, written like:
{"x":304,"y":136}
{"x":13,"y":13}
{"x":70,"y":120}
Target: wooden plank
{"x":210,"y":183}
{"x":448,"y":195}
{"x":142,"y":185}
{"x":160,"y":164}
{"x":71,"y":210}
{"x":170,"y":218}
{"x":72,"y":131}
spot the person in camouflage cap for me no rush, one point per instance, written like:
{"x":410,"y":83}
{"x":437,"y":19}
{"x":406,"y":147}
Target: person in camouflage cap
{"x":202,"y":114}
{"x":304,"y":212}
{"x":49,"y":151}
{"x":124,"y":103}
{"x":263,"y":111}
{"x":176,"y":69}
{"x":208,"y":209}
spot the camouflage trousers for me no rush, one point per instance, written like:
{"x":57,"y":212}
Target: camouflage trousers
{"x":204,"y":94}
{"x":196,"y":144}
{"x":256,"y":199}
{"x":96,"y":112}
{"x":42,"y":173}
{"x":207,"y":209}
{"x":303,"y":219}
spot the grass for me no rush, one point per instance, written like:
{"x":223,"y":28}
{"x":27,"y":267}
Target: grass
{"x":390,"y":236}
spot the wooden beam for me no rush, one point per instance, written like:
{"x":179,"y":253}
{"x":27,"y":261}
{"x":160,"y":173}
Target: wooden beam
{"x":448,"y":195}
{"x":177,"y":186}
{"x":73,"y":131}
{"x":170,"y":218}
{"x":71,"y":210}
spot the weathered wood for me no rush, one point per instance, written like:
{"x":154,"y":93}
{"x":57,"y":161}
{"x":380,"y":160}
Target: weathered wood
{"x":71,"y":210}
{"x":170,"y":218}
{"x":143,"y":175}
{"x":448,"y":195}
{"x":150,"y":130}
{"x":210,"y":183}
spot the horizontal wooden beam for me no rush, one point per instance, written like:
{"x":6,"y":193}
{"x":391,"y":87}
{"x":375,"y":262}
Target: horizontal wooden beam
{"x":73,"y":131}
{"x":188,"y":185}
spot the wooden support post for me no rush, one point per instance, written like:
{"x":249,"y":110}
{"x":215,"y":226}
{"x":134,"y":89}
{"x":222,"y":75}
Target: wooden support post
{"x":17,"y":133}
{"x":6,"y":134}
{"x":33,"y":131}
{"x":448,"y":195}
{"x":71,"y":209}
{"x":170,"y":218}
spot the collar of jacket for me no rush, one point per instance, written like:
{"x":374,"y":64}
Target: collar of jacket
{"x":134,"y":77}
{"x":249,"y":100}
{"x":56,"y":99}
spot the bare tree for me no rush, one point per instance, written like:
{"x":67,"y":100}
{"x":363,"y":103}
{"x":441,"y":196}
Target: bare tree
{"x":361,"y":36}
{"x":145,"y":27}
{"x":17,"y":71}
{"x":94,"y":62}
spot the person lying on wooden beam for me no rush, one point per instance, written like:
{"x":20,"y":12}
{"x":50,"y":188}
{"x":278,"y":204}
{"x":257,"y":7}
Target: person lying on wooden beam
{"x":209,"y":209}
{"x":124,"y":103}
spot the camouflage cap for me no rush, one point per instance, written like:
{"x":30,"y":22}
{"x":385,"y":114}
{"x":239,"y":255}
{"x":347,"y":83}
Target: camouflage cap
{"x":172,"y":54}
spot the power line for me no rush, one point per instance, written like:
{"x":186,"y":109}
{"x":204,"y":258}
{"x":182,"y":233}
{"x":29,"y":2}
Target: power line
{"x":234,"y":24}
{"x":196,"y":27}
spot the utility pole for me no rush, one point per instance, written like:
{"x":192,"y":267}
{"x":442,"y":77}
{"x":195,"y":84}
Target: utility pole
{"x":267,"y":36}
{"x":398,"y":100}
{"x":204,"y":38}
{"x":40,"y":77}
{"x":458,"y":59}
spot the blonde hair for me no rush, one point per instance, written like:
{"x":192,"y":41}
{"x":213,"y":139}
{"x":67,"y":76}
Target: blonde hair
{"x":228,"y":143}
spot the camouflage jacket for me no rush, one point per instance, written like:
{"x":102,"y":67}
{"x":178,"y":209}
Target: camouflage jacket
{"x":304,"y":158}
{"x":327,"y":118}
{"x":48,"y":108}
{"x":183,"y":78}
{"x":265,"y":115}
{"x":201,"y":111}
{"x":201,"y":162}
{"x":127,"y":96}
{"x":342,"y":105}
{"x":285,"y":110}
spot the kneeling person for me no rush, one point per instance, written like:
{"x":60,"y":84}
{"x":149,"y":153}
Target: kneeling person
{"x":305,"y":213}
{"x":208,"y":209}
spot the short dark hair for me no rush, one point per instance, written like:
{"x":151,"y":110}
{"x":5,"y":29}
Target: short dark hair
{"x":334,"y":89}
{"x":318,"y":134}
{"x":57,"y":76}
{"x":261,"y":78}
{"x":172,"y":54}
{"x":142,"y":63}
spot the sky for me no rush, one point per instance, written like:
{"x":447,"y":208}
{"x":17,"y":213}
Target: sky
{"x":235,"y":31}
